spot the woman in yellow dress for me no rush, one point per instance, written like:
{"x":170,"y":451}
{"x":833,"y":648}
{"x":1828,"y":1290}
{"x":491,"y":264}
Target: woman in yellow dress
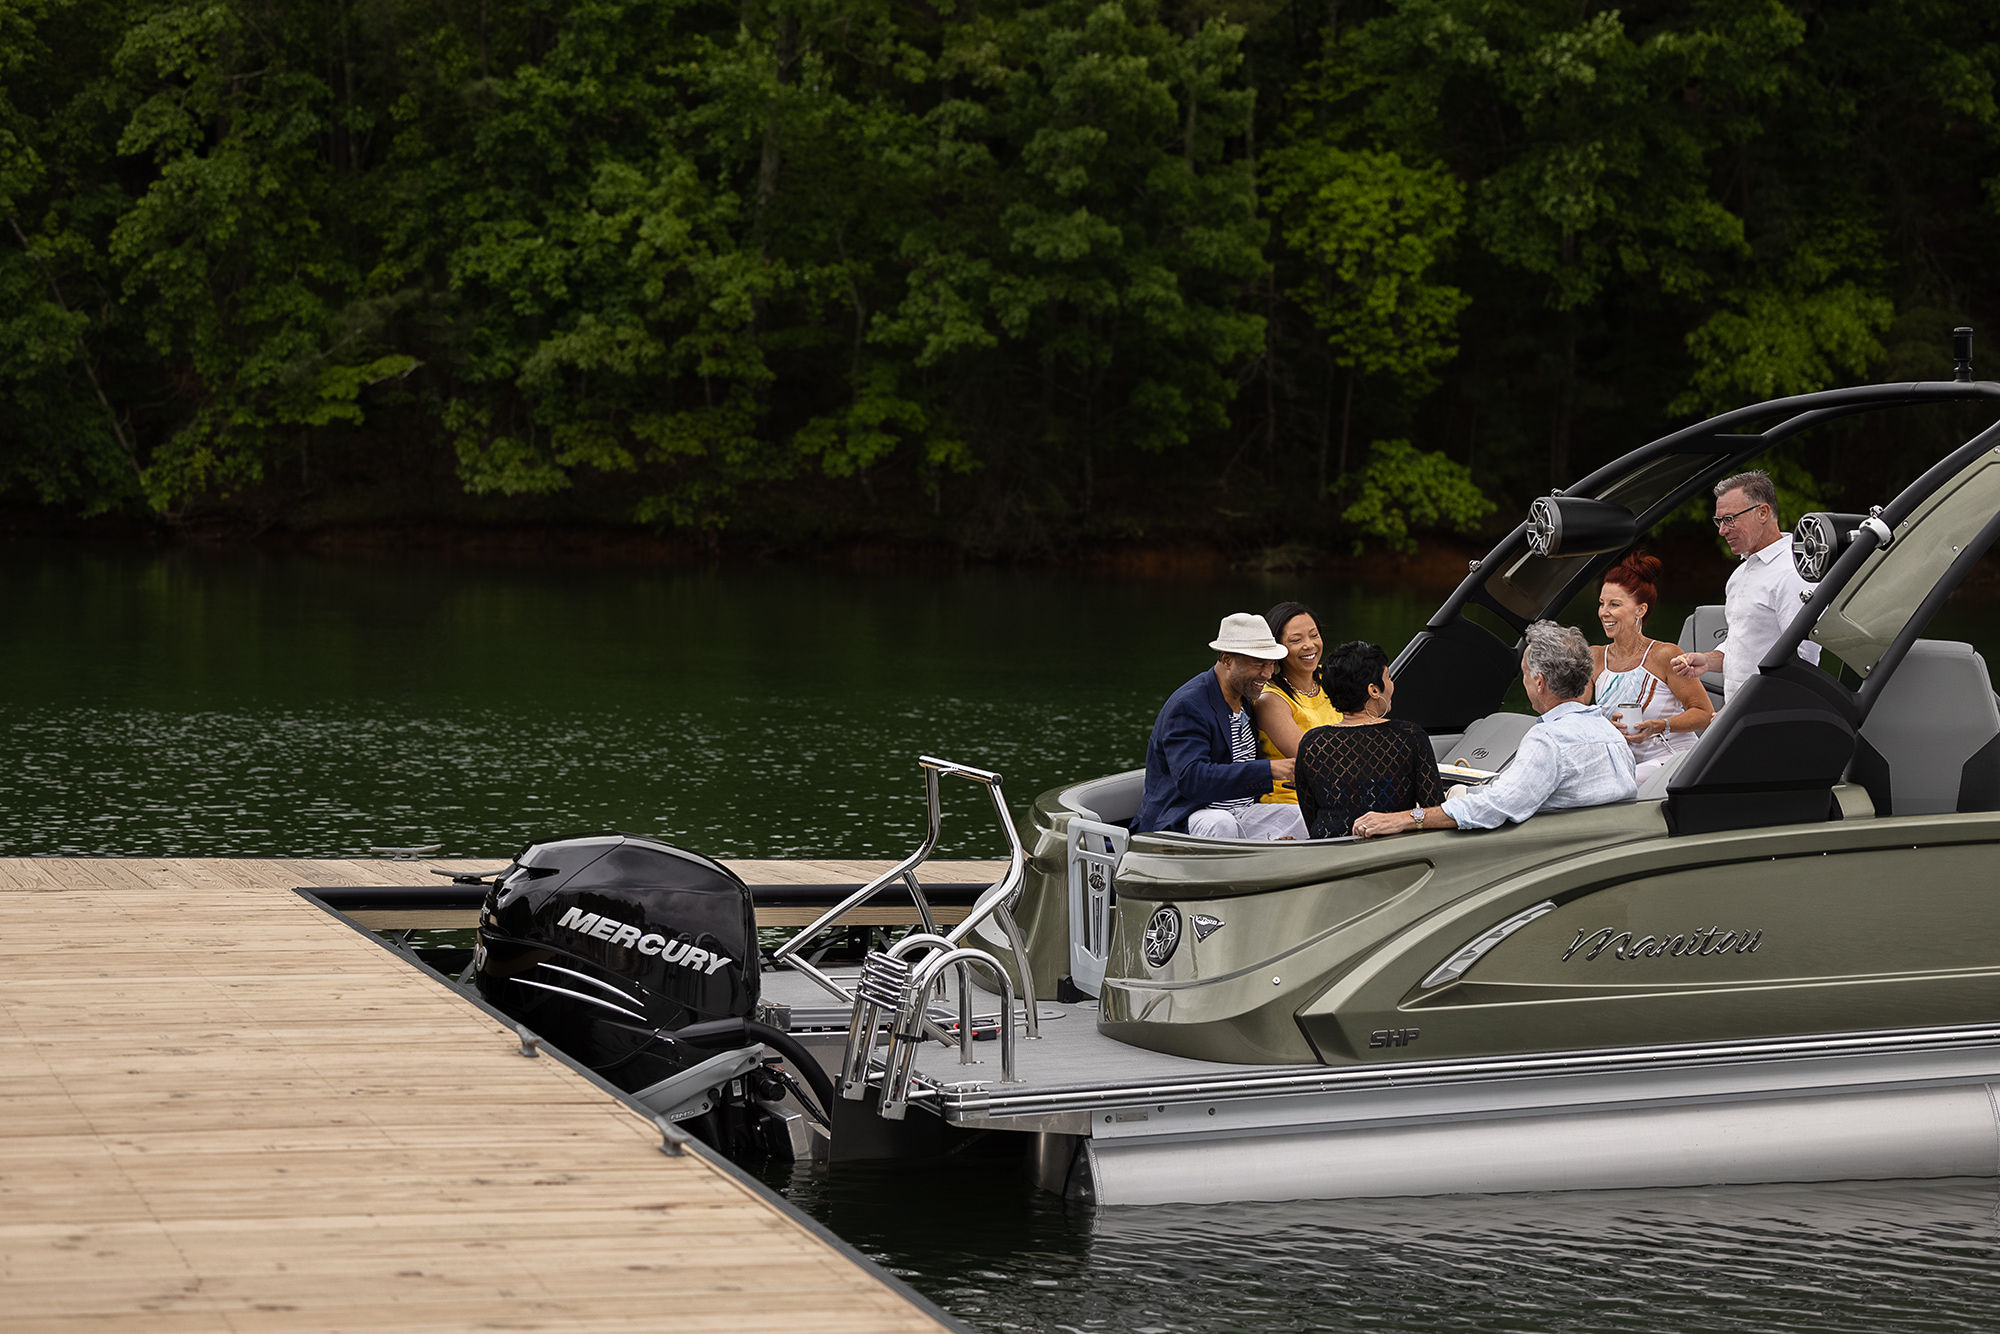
{"x":1294,"y":703}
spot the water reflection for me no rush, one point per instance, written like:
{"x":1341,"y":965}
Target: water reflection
{"x":191,"y":704}
{"x":1864,"y":1256}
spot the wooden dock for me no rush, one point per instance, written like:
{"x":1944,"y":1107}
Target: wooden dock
{"x":226,"y":1110}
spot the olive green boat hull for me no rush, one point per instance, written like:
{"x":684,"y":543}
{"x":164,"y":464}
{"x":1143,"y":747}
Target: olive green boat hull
{"x":1323,"y":949}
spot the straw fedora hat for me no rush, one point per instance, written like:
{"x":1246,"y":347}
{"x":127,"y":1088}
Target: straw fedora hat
{"x":1247,"y":633}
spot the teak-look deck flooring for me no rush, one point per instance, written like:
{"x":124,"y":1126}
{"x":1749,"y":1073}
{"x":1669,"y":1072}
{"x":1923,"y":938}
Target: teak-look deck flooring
{"x":223,"y":1109}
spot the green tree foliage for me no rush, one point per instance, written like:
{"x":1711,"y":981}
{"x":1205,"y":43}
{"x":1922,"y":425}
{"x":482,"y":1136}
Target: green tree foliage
{"x":238,"y":254}
{"x":1050,"y":264}
{"x":1404,"y":488}
{"x":1591,"y":141}
{"x":63,"y":338}
{"x":1373,"y":231}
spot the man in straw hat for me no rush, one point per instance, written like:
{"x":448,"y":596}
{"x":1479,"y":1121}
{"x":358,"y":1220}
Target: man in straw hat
{"x":1203,"y":776}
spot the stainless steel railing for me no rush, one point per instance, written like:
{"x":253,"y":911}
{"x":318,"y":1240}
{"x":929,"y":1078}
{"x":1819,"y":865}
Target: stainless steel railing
{"x":895,"y":993}
{"x":995,"y":903}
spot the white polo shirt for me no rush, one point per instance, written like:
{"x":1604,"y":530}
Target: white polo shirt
{"x":1759,"y":601}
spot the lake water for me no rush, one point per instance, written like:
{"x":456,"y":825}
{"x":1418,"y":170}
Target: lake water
{"x":1873,"y":1258}
{"x":189,"y":704}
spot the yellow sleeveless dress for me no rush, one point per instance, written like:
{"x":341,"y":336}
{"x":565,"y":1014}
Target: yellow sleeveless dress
{"x":1318,"y":711}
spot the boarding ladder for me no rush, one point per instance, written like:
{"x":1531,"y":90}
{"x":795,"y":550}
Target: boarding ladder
{"x":896,"y":984}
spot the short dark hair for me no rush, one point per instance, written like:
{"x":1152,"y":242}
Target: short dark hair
{"x":1347,"y":671}
{"x":1278,"y":618}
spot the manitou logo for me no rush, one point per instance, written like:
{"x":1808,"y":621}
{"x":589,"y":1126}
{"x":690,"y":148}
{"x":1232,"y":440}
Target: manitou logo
{"x":1700,"y":941}
{"x":705,"y":962}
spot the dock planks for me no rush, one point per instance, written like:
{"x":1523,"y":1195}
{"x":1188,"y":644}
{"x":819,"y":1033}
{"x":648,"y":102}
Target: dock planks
{"x":225,"y":1110}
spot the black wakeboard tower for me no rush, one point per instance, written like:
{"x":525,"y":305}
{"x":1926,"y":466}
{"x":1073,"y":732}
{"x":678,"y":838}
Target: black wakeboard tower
{"x":1792,"y":731}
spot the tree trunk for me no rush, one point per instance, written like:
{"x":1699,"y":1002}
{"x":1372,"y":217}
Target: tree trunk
{"x":1325,"y":428}
{"x":1271,"y":372}
{"x":1565,"y":413}
{"x":1346,"y":420}
{"x":83,"y":355}
{"x":784,"y":56}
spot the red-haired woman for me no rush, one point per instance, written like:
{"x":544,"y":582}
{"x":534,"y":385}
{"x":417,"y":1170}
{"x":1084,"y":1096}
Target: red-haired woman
{"x":1659,"y":712}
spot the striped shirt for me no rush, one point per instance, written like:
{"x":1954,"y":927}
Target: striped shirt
{"x":1242,"y":750}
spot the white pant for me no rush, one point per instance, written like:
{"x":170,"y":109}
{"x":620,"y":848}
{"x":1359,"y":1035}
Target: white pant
{"x":1260,"y":819}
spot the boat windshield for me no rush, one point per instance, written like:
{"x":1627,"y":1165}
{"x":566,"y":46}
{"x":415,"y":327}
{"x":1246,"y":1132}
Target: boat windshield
{"x":1529,"y":584}
{"x":1866,"y":616}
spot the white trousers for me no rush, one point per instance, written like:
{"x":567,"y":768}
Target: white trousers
{"x":1260,"y":819}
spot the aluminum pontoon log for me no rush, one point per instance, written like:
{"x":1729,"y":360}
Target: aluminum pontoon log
{"x":1120,"y":1125}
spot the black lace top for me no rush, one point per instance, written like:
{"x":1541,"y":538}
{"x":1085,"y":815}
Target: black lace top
{"x":1345,"y":772}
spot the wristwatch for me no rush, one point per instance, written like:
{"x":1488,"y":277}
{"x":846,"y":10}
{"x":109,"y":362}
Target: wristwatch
{"x":1417,"y":814}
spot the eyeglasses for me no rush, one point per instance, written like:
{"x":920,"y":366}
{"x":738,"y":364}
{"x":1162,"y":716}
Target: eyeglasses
{"x":1729,"y":520}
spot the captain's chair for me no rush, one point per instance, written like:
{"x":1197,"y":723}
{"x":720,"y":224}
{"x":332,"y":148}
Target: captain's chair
{"x":1700,"y":633}
{"x":1932,"y":742}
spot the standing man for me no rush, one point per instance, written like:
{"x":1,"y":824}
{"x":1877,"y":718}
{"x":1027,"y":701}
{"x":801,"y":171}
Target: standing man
{"x":1764,"y":593}
{"x":1203,"y":776}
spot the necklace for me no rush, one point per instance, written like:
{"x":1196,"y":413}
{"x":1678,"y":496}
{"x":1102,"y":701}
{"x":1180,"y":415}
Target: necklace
{"x":1639,"y":661}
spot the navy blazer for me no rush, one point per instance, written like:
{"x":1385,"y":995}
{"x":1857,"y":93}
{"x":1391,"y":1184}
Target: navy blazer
{"x":1187,"y":759}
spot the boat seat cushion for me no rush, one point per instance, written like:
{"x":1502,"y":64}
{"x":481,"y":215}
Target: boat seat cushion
{"x":1112,"y":800}
{"x":1701,"y":632}
{"x":1931,"y":744}
{"x":1490,"y":742}
{"x":1654,"y":787}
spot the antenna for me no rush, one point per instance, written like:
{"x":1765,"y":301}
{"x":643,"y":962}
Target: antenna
{"x":1961,"y":353}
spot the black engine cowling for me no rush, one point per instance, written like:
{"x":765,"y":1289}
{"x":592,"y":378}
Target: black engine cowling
{"x":606,"y":945}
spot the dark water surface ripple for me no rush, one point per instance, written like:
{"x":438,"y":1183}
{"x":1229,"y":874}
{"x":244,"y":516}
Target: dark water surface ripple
{"x":198,"y":705}
{"x":1890,"y":1257}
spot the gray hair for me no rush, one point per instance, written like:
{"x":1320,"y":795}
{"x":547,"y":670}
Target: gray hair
{"x":1561,"y":656}
{"x":1756,"y":488}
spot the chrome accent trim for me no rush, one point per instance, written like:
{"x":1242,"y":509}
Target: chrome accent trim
{"x":1475,"y":949}
{"x":1813,"y":548}
{"x":579,"y":996}
{"x":599,"y":983}
{"x":1162,"y":936}
{"x":1544,"y":526}
{"x":965,"y":1104}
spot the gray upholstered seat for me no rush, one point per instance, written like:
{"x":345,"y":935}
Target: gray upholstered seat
{"x":1113,"y":800}
{"x":1932,"y":741}
{"x":1490,"y":742}
{"x":1700,"y":633}
{"x":1654,"y":786}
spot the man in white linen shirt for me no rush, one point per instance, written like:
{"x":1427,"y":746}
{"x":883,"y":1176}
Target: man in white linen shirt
{"x":1574,"y":756}
{"x":1762,"y":595}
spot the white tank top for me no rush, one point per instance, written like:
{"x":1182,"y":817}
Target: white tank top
{"x":1642,"y":697}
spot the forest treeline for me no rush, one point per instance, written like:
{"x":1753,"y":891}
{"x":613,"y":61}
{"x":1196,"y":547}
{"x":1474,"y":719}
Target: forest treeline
{"x":1003,"y":272}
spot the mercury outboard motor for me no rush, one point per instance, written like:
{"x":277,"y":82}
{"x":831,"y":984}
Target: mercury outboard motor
{"x":639,"y":960}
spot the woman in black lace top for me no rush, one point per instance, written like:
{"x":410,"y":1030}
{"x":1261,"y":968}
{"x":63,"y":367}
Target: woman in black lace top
{"x":1367,"y":761}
